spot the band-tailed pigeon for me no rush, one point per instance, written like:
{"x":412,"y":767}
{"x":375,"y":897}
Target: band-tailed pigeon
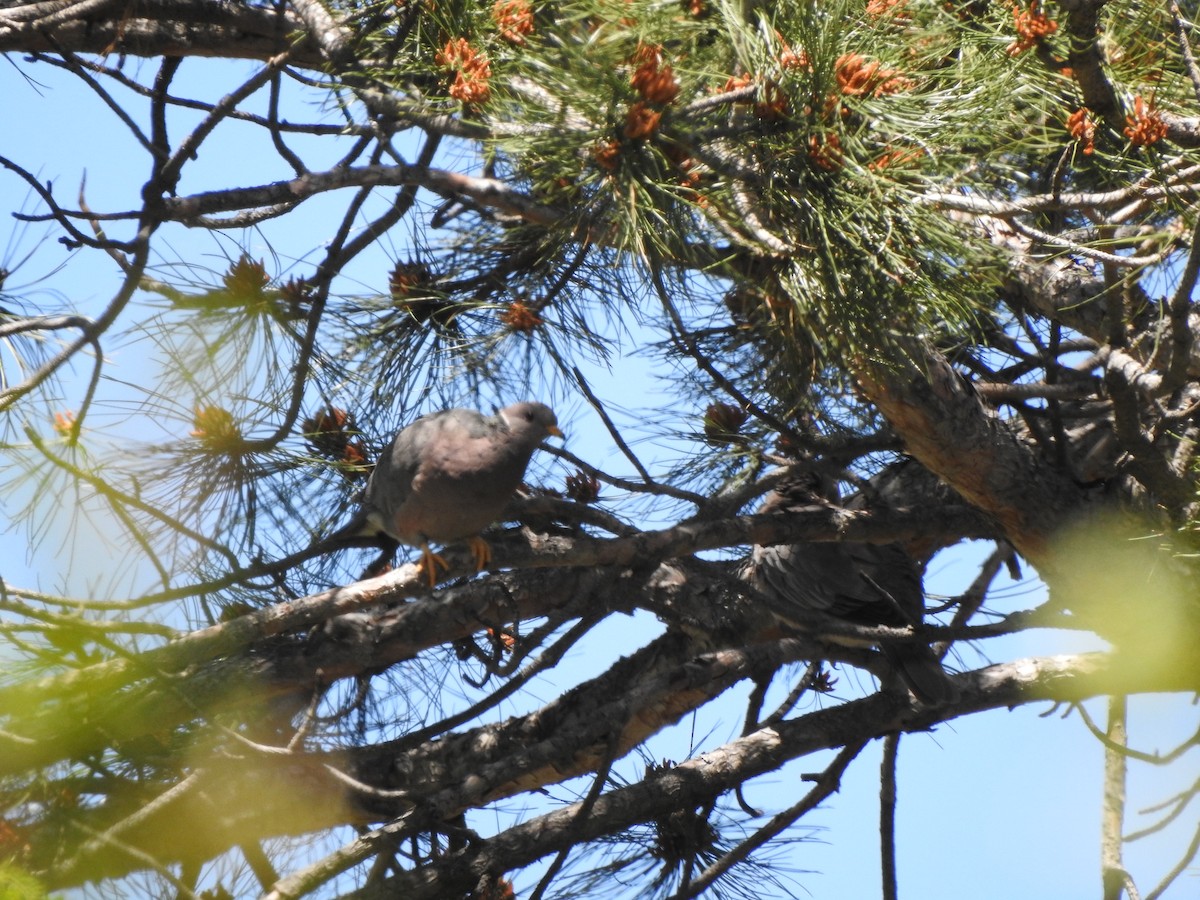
{"x":448,"y":476}
{"x":861,"y":583}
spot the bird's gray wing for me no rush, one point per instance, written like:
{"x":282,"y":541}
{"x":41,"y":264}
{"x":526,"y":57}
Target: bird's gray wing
{"x":415,"y":446}
{"x":890,"y":591}
{"x":866,"y":584}
{"x":849,"y":581}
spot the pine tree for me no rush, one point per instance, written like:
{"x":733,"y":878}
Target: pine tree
{"x":935,"y":258}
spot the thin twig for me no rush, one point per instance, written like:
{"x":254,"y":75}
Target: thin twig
{"x":1178,"y":869}
{"x":613,"y":431}
{"x":109,"y":837}
{"x":547,"y":660}
{"x":682,"y":334}
{"x":1185,"y":47}
{"x":801,"y":687}
{"x":1157,"y":759}
{"x":973,"y":597}
{"x":827,"y":783}
{"x":188,"y":146}
{"x":113,"y":495}
{"x":887,"y":817}
{"x":637,"y":487}
{"x":581,"y":814}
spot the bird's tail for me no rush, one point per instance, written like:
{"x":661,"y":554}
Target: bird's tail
{"x":921,"y":672}
{"x":358,"y":532}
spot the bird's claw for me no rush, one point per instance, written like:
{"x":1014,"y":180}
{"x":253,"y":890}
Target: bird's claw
{"x":430,"y":563}
{"x":481,"y":552}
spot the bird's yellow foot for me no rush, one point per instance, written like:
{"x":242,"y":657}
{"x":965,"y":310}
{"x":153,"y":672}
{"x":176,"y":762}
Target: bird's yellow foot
{"x":481,"y":552}
{"x":430,"y":563}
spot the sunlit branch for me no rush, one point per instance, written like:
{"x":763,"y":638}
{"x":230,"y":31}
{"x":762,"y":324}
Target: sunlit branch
{"x":330,"y":33}
{"x":1114,"y":259}
{"x":162,"y":28}
{"x":487,"y":192}
{"x":582,"y":553}
{"x":1113,"y":875}
{"x":1006,"y":209}
{"x":717,"y":770}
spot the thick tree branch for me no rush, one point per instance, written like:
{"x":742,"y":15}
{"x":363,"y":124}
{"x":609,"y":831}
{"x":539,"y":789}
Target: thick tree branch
{"x":1087,"y":60}
{"x":716,"y":771}
{"x":435,"y":622}
{"x":530,"y":753}
{"x":159,"y":28}
{"x":946,"y":428}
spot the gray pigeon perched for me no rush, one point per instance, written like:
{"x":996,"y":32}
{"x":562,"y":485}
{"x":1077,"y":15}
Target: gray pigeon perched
{"x":861,"y":583}
{"x":448,"y":476}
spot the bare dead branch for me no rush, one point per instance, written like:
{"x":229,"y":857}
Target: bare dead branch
{"x":1112,"y":870}
{"x":887,"y":817}
{"x":1178,"y":869}
{"x":487,"y":192}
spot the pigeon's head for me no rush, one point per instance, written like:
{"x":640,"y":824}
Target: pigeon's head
{"x":530,"y":421}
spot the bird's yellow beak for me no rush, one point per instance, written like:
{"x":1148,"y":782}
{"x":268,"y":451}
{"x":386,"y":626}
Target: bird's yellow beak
{"x":555,"y":430}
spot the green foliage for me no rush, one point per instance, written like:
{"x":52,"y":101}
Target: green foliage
{"x":18,"y":885}
{"x":848,"y":118}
